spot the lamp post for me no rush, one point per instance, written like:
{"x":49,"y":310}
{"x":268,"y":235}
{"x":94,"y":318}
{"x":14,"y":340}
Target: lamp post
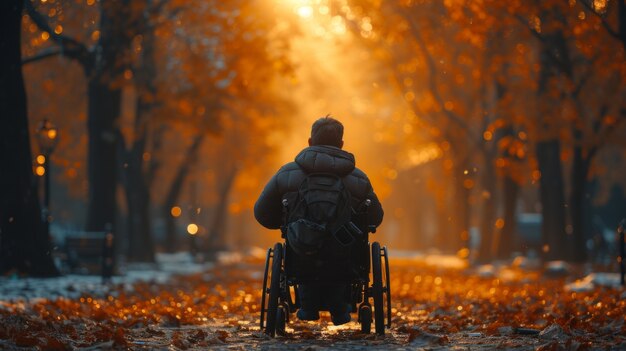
{"x":47,"y":137}
{"x":621,"y":230}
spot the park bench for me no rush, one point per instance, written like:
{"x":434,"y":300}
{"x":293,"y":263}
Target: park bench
{"x":85,"y":251}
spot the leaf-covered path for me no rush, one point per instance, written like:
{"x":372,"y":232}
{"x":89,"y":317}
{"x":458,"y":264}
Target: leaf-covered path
{"x":435,"y":307}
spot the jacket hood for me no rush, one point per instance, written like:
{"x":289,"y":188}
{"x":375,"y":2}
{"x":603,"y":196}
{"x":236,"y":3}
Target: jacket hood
{"x":326,"y":159}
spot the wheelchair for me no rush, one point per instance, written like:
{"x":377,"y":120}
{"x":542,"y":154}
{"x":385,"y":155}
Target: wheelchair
{"x":285,"y":271}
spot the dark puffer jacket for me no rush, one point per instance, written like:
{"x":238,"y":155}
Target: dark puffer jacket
{"x":268,"y":209}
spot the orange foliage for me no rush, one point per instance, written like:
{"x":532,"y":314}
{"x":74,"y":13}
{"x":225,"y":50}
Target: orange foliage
{"x":221,"y":306}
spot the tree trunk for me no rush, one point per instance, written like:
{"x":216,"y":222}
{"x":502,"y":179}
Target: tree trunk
{"x":458,"y":232}
{"x":173,"y":195}
{"x":105,"y":74}
{"x":216,"y":232}
{"x":24,"y":244}
{"x":505,"y":237}
{"x":578,"y":198}
{"x":552,"y":200}
{"x":442,"y":213}
{"x":508,"y":235}
{"x":104,"y":111}
{"x":140,"y":171}
{"x":554,"y":59}
{"x":486,"y":248}
{"x":621,"y":25}
{"x":140,"y":242}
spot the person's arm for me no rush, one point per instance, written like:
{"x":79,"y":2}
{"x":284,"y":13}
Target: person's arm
{"x":361,"y":186}
{"x":268,"y":209}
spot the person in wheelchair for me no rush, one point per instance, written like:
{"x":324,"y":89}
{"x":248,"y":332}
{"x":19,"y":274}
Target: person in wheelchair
{"x":317,"y":201}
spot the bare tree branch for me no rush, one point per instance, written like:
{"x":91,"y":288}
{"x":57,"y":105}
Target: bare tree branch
{"x":553,"y":52}
{"x":620,"y":33}
{"x":532,"y":30}
{"x":43,"y":54}
{"x":433,"y":73}
{"x":605,"y":23}
{"x":605,"y":135}
{"x":69,"y":47}
{"x":585,"y":77}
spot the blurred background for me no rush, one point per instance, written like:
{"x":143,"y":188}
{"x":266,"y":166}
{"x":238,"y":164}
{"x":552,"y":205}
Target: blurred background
{"x":487,"y":128}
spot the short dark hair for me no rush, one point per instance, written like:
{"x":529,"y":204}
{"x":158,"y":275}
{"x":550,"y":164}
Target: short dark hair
{"x":327,"y":131}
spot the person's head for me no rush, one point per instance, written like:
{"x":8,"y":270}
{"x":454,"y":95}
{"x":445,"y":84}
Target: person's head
{"x":327,"y":131}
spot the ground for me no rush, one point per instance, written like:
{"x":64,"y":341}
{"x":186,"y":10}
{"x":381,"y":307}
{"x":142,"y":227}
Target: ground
{"x":438,"y":303}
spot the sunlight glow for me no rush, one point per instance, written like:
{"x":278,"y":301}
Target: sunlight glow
{"x":424,"y":155}
{"x":305,"y":11}
{"x":317,"y":15}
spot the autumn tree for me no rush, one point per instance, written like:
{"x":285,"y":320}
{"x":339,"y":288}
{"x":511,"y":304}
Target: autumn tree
{"x":612,"y":15}
{"x":141,"y":152}
{"x":220,"y":72}
{"x":104,"y":65}
{"x":499,"y":80}
{"x":579,"y":86}
{"x":447,"y":75}
{"x":24,"y":243}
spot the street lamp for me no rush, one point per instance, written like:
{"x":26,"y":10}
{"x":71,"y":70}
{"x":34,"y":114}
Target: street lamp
{"x":47,"y":137}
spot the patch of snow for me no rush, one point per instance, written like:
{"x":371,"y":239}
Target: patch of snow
{"x":257,"y":252}
{"x":229,"y":257}
{"x":409,"y":254}
{"x":73,"y":285}
{"x":486,"y":271}
{"x":557,"y":268}
{"x":606,"y":279}
{"x":446,"y":261}
{"x":507,"y":274}
{"x":581,"y":285}
{"x":176,"y":257}
{"x":431,"y":258}
{"x":591,"y":281}
{"x":526,"y":263}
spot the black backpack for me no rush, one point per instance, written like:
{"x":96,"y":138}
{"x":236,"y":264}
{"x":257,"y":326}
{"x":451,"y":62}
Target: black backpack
{"x":319,"y":221}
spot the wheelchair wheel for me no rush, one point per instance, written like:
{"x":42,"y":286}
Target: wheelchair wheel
{"x":274,"y":290}
{"x":264,"y":292}
{"x":377,"y":289}
{"x":365,"y":318}
{"x":387,"y":287}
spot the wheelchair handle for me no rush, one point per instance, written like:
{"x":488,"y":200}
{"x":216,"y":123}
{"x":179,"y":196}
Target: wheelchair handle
{"x":363,"y":206}
{"x":283,"y":228}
